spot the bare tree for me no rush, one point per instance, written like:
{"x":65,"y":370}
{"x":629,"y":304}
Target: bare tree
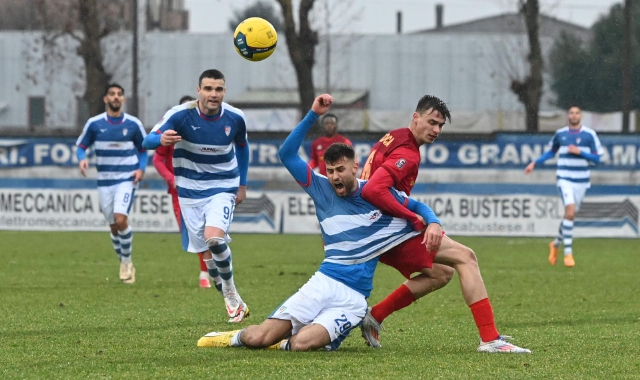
{"x":301,"y":46}
{"x":529,"y":90}
{"x":87,"y":22}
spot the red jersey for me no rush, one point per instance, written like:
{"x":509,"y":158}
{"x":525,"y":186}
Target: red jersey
{"x":319,"y":146}
{"x":163,"y":162}
{"x":398,"y":152}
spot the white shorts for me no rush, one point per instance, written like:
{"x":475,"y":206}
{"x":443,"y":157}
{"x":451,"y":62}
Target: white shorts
{"x":216,"y":212}
{"x":572,"y":193}
{"x":116,"y":199}
{"x":327,"y":302}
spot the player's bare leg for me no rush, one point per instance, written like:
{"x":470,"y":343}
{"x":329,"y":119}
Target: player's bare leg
{"x":269,"y":333}
{"x":219,"y":256}
{"x":465,"y":262}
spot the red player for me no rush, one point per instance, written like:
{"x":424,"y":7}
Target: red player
{"x":163,"y":162}
{"x":319,"y":145}
{"x":398,"y":154}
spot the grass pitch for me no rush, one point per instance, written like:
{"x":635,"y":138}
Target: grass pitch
{"x":65,"y":314}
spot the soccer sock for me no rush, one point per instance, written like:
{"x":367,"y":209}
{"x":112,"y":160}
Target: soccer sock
{"x":483,"y":315}
{"x":399,"y":299}
{"x":203,"y":266}
{"x":116,"y":245}
{"x":559,"y":238}
{"x":213,"y":273}
{"x":235,"y":339}
{"x":126,"y":239}
{"x":222,"y":257}
{"x":567,"y":231}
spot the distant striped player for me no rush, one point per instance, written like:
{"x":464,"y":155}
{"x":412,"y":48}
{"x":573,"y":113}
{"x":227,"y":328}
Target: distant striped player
{"x":116,"y":138}
{"x":579,"y":147}
{"x":211,"y":162}
{"x":355,"y":233}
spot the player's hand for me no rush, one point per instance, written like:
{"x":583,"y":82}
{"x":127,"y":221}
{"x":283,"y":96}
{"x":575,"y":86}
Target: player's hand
{"x":433,"y":237}
{"x":241,"y":195}
{"x":529,"y":168}
{"x":420,"y":225}
{"x":574,"y":150}
{"x":169,"y":137}
{"x":321,"y":104}
{"x":83,"y":165}
{"x":137,"y":176}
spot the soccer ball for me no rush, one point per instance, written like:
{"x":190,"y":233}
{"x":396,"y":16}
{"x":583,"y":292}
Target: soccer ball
{"x":255,"y":39}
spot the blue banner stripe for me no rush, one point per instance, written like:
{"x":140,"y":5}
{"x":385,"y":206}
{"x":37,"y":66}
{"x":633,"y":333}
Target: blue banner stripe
{"x":197,"y":176}
{"x":203,"y":158}
{"x":500,"y":151}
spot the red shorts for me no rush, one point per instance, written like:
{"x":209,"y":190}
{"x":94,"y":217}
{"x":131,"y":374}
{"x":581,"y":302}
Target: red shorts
{"x":409,"y":257}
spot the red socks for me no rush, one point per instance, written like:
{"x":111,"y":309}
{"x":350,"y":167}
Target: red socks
{"x":203,"y":266}
{"x":399,"y":299}
{"x":483,"y":315}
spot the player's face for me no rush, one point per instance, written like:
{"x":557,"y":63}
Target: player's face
{"x":342,"y":176}
{"x":427,"y":127}
{"x":211,"y":92}
{"x":114,"y":99}
{"x":330,"y":126}
{"x":574,"y":116}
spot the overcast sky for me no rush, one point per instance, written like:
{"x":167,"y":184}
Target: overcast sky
{"x":379,"y":16}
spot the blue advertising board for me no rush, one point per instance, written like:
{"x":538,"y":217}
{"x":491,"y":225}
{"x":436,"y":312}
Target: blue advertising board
{"x":504,"y":151}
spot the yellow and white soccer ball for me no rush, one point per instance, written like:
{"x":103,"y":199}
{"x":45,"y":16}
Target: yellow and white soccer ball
{"x":255,"y":39}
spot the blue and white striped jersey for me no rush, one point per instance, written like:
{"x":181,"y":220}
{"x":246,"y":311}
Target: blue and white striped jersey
{"x":205,"y":160}
{"x":355,"y":233}
{"x":571,"y":167}
{"x":117,"y":142}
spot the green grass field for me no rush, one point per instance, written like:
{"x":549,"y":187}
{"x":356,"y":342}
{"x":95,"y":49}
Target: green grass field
{"x":65,"y":314}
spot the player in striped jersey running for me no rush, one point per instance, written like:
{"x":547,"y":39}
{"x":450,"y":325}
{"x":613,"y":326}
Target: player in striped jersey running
{"x":355,"y":233}
{"x":211,"y":162}
{"x":579,"y":147}
{"x":121,"y":161}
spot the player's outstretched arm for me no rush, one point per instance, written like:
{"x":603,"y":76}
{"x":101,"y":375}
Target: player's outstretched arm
{"x":545,"y":156}
{"x":288,"y":152}
{"x":378,"y":192}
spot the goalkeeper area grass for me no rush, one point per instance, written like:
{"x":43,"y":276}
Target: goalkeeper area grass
{"x":65,"y":313}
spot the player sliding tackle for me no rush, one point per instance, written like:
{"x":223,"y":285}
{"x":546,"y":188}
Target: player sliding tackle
{"x":333,"y":302}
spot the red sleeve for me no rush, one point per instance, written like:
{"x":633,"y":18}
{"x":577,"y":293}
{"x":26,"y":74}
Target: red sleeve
{"x":313,"y":162}
{"x":376,"y":191}
{"x":160,"y":163}
{"x":402,"y":162}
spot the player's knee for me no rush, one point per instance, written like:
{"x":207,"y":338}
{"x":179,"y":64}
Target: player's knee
{"x":445,"y":274}
{"x":569,"y":214}
{"x":468,"y":256}
{"x":211,"y":242}
{"x":121,"y":222}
